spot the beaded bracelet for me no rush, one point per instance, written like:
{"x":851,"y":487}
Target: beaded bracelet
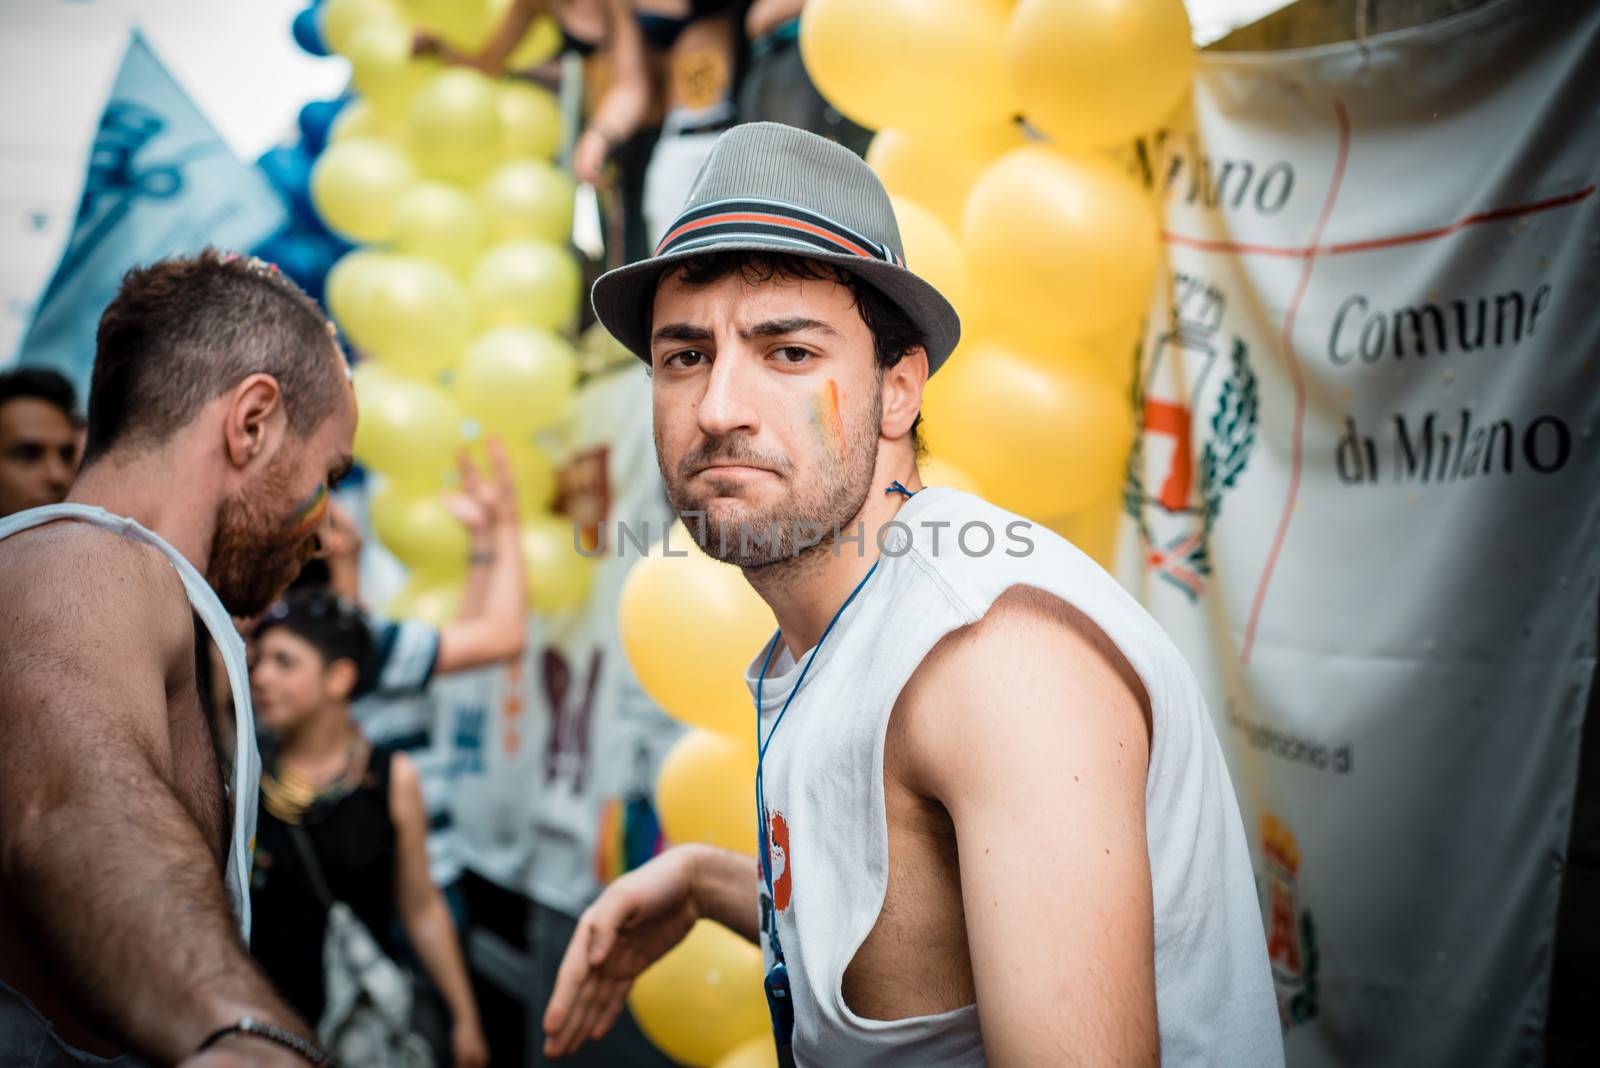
{"x":312,"y":1053}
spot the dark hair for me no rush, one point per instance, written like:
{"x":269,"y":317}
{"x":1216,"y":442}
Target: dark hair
{"x":40,"y":383}
{"x":183,"y":331}
{"x":894,"y":333}
{"x":330,"y":624}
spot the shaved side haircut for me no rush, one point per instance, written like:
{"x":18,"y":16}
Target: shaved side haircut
{"x":183,"y":331}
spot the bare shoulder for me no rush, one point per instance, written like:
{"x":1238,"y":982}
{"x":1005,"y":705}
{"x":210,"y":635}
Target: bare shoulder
{"x":83,"y":606}
{"x":77,"y":567}
{"x":1031,"y":668}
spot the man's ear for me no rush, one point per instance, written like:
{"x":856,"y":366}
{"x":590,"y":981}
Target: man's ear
{"x":902,"y":392}
{"x":341,"y":676}
{"x":254,"y":415}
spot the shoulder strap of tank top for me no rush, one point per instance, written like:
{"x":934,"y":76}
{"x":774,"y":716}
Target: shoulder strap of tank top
{"x":203,"y":599}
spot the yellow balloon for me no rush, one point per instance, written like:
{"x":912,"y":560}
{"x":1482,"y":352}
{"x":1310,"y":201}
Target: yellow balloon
{"x":937,"y":170}
{"x":538,"y":46}
{"x":421,"y":316}
{"x":339,"y":20}
{"x":1090,"y":74}
{"x":360,"y":119}
{"x":1095,"y":529}
{"x":420,"y":531}
{"x":464,"y":24}
{"x":440,"y":222}
{"x":382,"y":68}
{"x":454,"y":129}
{"x":346,"y":291}
{"x":933,"y":252}
{"x":531,"y":283}
{"x":530,"y":121}
{"x":1043,"y":440}
{"x":408,"y":430}
{"x":703,"y":998}
{"x":528,"y":198}
{"x":355,"y":184}
{"x":759,"y":1052}
{"x":426,"y":600}
{"x":704,"y":788}
{"x":690,"y":626}
{"x":515,"y":380}
{"x":558,"y":577}
{"x":1066,"y":244}
{"x":936,"y":472}
{"x":930,"y":65}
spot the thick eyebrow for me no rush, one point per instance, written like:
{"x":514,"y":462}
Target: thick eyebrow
{"x":769,"y":328}
{"x":681,"y":332}
{"x":779,"y":327}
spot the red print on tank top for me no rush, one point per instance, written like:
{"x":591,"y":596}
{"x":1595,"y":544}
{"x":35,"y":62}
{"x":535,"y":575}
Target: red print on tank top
{"x":778,"y":836}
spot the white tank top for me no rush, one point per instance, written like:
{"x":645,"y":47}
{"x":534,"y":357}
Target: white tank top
{"x":823,"y":784}
{"x":246,"y":760}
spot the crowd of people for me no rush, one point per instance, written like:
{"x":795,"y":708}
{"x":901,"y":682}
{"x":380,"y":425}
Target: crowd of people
{"x":358,"y":712}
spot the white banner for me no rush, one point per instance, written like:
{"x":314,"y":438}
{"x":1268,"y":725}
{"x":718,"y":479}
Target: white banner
{"x":1366,"y":503}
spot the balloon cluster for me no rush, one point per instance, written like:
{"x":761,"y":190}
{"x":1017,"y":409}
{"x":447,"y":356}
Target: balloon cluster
{"x":1045,"y":246}
{"x":457,"y":286}
{"x":702,"y":1003}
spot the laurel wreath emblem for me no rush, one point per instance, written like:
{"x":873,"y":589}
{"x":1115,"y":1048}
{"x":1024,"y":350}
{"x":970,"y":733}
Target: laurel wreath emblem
{"x":1222,"y":459}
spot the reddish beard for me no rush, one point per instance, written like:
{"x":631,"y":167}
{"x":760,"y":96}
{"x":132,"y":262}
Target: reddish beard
{"x":259,"y":546}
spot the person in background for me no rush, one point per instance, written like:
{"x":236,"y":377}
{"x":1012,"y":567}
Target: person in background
{"x":776,"y":87}
{"x":39,"y":438}
{"x":489,"y":627}
{"x":659,"y":86}
{"x":359,"y":805}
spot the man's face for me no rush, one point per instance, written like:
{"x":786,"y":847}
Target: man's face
{"x":268,"y":529}
{"x":767,"y":405}
{"x":38,"y":454}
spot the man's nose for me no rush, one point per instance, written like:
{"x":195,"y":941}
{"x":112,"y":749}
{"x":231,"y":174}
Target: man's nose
{"x":727,"y":404}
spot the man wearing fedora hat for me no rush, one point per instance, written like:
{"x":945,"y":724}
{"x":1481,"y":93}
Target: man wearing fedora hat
{"x":995,"y":824}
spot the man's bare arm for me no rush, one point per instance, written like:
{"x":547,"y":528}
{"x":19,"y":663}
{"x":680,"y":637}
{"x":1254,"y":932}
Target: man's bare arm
{"x":1030,"y":730}
{"x":116,"y":885}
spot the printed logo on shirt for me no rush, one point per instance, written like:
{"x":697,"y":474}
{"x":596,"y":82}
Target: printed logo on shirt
{"x":1291,"y":935}
{"x":1178,"y":506}
{"x":778,"y":853}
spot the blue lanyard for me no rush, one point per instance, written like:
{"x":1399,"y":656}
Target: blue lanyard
{"x":761,"y":747}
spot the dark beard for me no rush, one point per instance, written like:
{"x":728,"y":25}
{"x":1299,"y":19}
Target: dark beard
{"x":815,"y":509}
{"x":256,"y":552}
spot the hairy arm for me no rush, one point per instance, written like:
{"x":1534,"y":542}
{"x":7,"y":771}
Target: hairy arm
{"x":1031,"y":731}
{"x":115,"y":882}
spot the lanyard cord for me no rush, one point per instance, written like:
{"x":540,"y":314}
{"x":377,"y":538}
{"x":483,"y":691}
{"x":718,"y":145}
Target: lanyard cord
{"x":761,"y":747}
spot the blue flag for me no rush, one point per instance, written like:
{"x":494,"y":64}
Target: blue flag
{"x":161,"y":182}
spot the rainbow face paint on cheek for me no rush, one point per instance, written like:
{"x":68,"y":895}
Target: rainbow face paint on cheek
{"x":826,"y":419}
{"x":309,"y":512}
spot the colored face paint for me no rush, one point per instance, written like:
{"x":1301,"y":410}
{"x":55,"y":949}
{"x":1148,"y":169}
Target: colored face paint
{"x":309,"y":512}
{"x":827,"y":421}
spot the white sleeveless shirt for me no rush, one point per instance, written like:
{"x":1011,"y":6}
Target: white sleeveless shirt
{"x":823,"y":784}
{"x":245,"y":788}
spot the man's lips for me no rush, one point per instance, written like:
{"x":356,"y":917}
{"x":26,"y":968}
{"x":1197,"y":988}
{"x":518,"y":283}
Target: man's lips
{"x":734,"y":469}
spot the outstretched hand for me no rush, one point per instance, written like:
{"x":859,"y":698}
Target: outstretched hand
{"x":633,"y":923}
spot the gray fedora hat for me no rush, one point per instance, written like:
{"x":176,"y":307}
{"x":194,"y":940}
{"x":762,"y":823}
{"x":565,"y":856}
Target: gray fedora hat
{"x":772,"y":188}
